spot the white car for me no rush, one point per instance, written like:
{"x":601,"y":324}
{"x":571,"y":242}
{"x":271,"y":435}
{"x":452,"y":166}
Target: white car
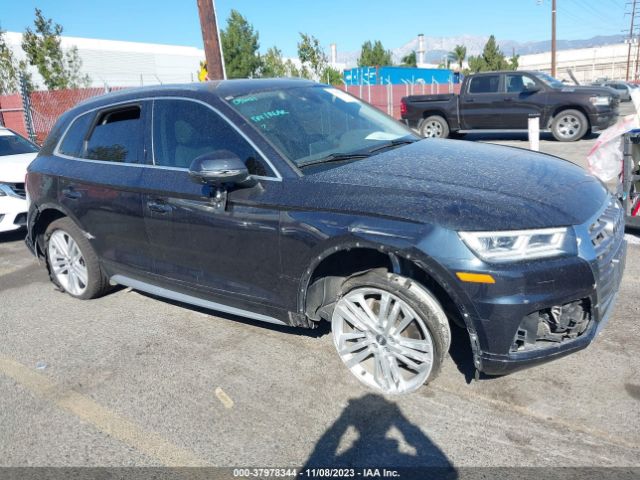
{"x":16,"y":153}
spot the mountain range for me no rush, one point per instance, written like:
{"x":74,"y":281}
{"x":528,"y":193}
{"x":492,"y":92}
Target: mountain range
{"x":437,"y":47}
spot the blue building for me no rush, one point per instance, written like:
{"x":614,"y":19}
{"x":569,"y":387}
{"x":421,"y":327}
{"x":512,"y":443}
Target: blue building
{"x":396,"y":75}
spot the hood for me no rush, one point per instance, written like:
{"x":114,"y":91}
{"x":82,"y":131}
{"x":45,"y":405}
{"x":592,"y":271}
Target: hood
{"x":589,"y":90}
{"x":465,"y":186}
{"x":13,"y":168}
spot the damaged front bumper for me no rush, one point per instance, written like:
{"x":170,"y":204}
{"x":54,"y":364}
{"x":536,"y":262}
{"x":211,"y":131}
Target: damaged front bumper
{"x":540,"y":311}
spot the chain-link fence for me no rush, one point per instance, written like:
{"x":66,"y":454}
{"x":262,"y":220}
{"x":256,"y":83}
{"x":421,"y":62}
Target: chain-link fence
{"x":34,"y":115}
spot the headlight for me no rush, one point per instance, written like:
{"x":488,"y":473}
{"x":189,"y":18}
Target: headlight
{"x":521,"y":244}
{"x":600,"y":100}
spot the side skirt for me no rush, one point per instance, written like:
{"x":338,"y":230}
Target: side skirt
{"x":198,"y":302}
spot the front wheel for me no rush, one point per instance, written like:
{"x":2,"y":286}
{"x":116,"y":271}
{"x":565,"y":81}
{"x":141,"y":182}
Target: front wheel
{"x":390,"y":332}
{"x":434,"y":127}
{"x":569,"y":126}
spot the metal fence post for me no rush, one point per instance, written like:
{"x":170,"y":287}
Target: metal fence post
{"x":26,"y":108}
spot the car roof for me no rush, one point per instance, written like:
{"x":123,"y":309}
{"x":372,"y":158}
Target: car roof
{"x":218,"y":88}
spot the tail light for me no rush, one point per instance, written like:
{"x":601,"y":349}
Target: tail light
{"x":403,"y":108}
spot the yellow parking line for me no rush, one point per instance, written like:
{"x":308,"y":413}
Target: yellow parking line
{"x":148,"y":443}
{"x":224,"y":398}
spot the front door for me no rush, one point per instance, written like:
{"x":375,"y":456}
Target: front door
{"x":522,"y":100}
{"x":234,"y":251}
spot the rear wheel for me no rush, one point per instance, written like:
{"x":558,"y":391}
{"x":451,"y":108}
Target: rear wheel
{"x":390,"y":332}
{"x":434,"y":127}
{"x":73,"y":263}
{"x":569,"y":126}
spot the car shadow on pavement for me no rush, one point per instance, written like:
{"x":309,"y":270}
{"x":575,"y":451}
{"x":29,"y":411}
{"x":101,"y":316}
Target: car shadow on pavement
{"x":372,"y":432}
{"x":13,"y":236}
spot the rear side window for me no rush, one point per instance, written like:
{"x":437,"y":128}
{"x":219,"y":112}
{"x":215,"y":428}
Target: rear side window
{"x":184,"y":130}
{"x":484,"y":84}
{"x":117,"y":136}
{"x":73,"y":143}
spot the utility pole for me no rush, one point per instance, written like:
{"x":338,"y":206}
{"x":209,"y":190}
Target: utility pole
{"x":211,"y":40}
{"x":553,"y":38}
{"x":633,"y":16}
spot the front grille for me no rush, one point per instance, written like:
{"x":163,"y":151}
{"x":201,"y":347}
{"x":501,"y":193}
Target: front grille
{"x":18,"y":189}
{"x":607,"y":233}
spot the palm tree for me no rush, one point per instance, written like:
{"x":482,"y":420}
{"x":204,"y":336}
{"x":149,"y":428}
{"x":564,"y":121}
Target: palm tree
{"x":459,"y":53}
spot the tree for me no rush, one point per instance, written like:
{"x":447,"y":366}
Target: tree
{"x":8,"y":68}
{"x":272,"y":64}
{"x":58,"y":69}
{"x":514,"y":61}
{"x":459,"y":54}
{"x":410,"y":60}
{"x":240,"y":47}
{"x":331,"y":76}
{"x":312,"y":57}
{"x":374,"y":55}
{"x":492,"y":59}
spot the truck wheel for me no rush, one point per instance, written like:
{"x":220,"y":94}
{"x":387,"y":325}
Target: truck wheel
{"x":569,"y":126}
{"x":390,"y":332}
{"x":73,"y":263}
{"x":434,"y":127}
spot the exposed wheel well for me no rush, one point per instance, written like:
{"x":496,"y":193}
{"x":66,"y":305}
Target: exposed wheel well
{"x":45,"y":217}
{"x":329,"y":275}
{"x":429,"y":113}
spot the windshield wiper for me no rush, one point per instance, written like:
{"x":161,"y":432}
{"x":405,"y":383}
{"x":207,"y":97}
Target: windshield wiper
{"x":334,"y":157}
{"x":392,"y":143}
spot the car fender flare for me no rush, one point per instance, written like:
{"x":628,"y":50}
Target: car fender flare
{"x":395,"y":253}
{"x":38,"y":210}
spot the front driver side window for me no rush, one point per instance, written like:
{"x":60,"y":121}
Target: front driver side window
{"x":184,"y":130}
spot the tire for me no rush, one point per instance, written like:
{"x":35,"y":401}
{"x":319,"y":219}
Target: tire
{"x":434,"y":127}
{"x":569,"y":126}
{"x":74,"y":270}
{"x":397,"y":357}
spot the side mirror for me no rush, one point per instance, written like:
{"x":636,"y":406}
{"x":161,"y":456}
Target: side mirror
{"x":216,"y":168}
{"x":532,"y":88}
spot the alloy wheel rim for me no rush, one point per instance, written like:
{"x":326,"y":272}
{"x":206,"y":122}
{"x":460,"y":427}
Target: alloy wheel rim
{"x":569,"y":126}
{"x":433,"y":130}
{"x":382,"y":340}
{"x":67,"y":263}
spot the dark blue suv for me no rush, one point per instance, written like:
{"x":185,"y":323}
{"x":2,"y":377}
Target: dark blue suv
{"x":294,"y":203}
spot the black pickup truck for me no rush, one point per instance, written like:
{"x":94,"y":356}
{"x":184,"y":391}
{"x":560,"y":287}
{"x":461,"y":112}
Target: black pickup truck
{"x":506,"y":100}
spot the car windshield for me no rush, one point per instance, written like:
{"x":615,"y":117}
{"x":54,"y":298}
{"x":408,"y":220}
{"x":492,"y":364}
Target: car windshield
{"x":11,"y":144}
{"x":549,"y":80}
{"x":320,"y":124}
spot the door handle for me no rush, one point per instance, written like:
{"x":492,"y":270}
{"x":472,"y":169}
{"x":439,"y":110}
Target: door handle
{"x":159,"y":206}
{"x":71,"y":193}
{"x":508,"y":100}
{"x":470,"y":100}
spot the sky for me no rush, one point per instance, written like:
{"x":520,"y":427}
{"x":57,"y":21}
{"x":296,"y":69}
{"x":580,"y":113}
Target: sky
{"x":346,"y":22}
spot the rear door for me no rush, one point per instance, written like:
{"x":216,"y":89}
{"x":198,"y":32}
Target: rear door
{"x":520,"y":101}
{"x":104,"y":151}
{"x":480,"y":104}
{"x":233,"y":252}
